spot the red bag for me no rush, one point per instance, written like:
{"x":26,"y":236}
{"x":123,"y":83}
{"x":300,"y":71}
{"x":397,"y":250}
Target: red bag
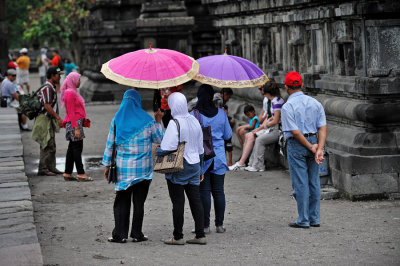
{"x":86,"y":122}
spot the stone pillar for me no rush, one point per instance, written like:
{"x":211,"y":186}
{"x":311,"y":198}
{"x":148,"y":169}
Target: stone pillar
{"x":3,"y":37}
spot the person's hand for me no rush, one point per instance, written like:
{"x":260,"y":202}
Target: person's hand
{"x":158,"y":115}
{"x":77,"y":133}
{"x":60,"y":121}
{"x":319,"y":156}
{"x":201,"y":178}
{"x":314,"y":148}
{"x":106,"y":171}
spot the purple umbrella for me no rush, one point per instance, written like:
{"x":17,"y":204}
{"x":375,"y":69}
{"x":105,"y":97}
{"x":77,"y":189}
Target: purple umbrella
{"x":228,"y":71}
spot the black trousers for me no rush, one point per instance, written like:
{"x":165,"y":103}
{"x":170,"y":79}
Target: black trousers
{"x":122,"y":207}
{"x":74,"y":155}
{"x":176,"y":193}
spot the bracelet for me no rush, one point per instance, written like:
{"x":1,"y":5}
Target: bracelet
{"x":311,"y":146}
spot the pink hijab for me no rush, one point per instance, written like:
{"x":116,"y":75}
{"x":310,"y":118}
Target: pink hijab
{"x":70,"y":83}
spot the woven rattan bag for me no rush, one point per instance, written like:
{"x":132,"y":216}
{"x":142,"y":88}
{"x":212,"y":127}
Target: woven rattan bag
{"x":172,"y":162}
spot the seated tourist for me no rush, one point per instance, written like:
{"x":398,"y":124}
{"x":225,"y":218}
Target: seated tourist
{"x":266,"y":134}
{"x":254,"y":123}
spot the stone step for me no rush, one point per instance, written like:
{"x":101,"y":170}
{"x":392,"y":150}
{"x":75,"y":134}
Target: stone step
{"x":16,"y":206}
{"x":15,"y":194}
{"x":17,"y":177}
{"x":14,"y":184}
{"x":21,"y":235}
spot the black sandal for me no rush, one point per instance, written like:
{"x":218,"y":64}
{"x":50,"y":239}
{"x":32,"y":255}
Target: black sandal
{"x":113,"y":240}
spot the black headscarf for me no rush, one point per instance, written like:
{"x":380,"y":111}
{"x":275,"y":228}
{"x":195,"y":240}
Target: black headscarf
{"x":205,"y":103}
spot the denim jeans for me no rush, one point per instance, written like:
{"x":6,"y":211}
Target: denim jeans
{"x":213,"y":184}
{"x":305,"y":181}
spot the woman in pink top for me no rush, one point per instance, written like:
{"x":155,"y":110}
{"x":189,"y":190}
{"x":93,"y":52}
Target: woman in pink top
{"x":75,"y":107}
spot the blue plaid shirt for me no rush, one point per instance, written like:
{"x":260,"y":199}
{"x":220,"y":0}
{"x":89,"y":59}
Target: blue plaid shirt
{"x":134,"y":158}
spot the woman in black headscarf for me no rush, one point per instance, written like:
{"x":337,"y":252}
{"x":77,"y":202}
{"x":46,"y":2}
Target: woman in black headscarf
{"x":213,"y":169}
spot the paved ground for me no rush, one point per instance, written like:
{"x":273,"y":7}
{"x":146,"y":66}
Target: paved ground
{"x":74,"y":219}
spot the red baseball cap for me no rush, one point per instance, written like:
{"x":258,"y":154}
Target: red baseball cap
{"x":293,"y":79}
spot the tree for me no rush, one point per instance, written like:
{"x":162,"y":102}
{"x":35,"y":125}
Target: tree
{"x":17,"y":13}
{"x":57,"y":22}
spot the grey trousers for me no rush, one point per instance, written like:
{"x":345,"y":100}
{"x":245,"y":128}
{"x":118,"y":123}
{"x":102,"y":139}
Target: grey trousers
{"x":257,"y":156}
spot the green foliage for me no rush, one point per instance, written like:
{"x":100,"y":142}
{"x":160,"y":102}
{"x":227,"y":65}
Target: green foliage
{"x":55,"y":21}
{"x":17,"y":14}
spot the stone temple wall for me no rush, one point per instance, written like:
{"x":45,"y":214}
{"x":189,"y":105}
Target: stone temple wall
{"x":348,"y":53}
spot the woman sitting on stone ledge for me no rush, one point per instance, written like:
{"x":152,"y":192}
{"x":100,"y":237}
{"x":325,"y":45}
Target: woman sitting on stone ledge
{"x":266,"y":134}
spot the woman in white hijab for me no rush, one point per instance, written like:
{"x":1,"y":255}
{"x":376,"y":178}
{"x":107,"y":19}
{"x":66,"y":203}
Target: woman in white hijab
{"x":188,"y":179}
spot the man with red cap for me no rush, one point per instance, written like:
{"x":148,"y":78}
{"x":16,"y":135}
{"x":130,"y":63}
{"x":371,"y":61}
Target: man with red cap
{"x":304,"y":127}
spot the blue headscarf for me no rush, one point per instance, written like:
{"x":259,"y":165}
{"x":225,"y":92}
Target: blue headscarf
{"x":130,"y":119}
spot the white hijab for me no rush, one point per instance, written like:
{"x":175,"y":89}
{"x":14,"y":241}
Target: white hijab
{"x":190,"y":130}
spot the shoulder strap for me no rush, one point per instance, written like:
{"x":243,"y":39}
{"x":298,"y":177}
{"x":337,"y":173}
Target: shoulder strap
{"x":37,"y":91}
{"x":114,"y":148}
{"x":179,"y":130}
{"x":198,"y":116}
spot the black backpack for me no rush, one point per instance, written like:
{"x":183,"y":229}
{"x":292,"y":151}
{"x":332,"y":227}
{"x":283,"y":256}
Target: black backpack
{"x":29,"y":104}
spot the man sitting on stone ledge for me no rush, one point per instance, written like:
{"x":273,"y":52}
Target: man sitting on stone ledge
{"x":9,"y":93}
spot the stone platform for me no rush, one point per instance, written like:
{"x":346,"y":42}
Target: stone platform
{"x":19,"y":243}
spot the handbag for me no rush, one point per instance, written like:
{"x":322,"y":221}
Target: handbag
{"x":172,"y":162}
{"x":207,"y":138}
{"x":86,"y":122}
{"x":112,"y":173}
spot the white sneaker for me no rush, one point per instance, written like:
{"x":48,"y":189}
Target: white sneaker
{"x":236,"y":166}
{"x":252,"y":169}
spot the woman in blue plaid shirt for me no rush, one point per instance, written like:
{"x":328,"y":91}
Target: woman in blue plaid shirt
{"x":136,"y":130}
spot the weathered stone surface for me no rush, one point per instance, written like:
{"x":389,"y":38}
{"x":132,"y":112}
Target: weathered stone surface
{"x":29,"y":254}
{"x":18,"y":206}
{"x":26,"y":234}
{"x":14,"y":177}
{"x":14,"y":184}
{"x":15,"y":193}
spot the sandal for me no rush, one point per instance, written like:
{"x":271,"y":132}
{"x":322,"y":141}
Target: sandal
{"x":68,"y":177}
{"x":84,"y":179}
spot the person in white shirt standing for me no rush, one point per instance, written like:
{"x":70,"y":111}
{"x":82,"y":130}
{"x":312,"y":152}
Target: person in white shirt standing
{"x":44,"y":65}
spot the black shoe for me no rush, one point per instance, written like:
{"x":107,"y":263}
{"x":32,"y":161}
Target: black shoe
{"x":294,"y":225}
{"x":144,"y":238}
{"x":315,"y":225}
{"x":113,"y":240}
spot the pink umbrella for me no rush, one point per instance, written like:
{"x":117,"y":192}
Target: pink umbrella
{"x":151,"y":68}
